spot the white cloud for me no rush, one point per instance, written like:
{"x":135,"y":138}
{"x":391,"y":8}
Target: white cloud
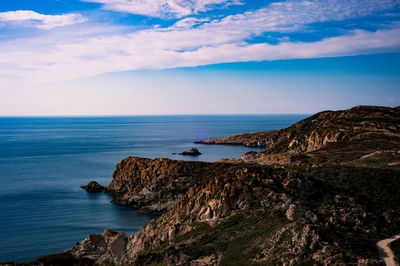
{"x":211,"y":41}
{"x":292,"y":15}
{"x":119,"y":53}
{"x":277,"y":12}
{"x":189,"y":22}
{"x":44,"y":21}
{"x":163,"y":8}
{"x":357,"y":42}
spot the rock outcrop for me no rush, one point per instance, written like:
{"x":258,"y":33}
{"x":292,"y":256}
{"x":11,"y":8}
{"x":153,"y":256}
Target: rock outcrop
{"x":93,"y":187}
{"x":108,"y":247}
{"x":152,"y":186}
{"x":191,"y":152}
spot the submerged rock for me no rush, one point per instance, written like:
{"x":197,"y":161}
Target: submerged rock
{"x":93,"y":187}
{"x":192,"y":152}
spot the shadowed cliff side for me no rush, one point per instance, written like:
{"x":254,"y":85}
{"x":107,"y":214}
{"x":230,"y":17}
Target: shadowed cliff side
{"x":153,"y":186}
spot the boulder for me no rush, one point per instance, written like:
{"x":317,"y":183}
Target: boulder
{"x":294,"y":213}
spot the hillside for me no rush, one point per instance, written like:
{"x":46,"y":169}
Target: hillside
{"x":248,"y":213}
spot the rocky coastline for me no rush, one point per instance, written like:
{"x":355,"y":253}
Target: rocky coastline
{"x":228,"y":211}
{"x":366,"y":136}
{"x":322,"y":193}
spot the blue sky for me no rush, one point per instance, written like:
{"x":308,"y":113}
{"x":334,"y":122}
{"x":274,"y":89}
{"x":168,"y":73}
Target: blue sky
{"x":121,"y":57}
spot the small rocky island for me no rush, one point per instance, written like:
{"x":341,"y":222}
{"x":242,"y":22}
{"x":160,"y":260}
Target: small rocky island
{"x":93,"y":187}
{"x":191,"y":152}
{"x":323,"y":192}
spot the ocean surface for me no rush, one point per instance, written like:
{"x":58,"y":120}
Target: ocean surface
{"x":44,"y":161}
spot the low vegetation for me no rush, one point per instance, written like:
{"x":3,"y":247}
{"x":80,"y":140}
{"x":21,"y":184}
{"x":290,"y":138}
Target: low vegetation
{"x":61,"y":259}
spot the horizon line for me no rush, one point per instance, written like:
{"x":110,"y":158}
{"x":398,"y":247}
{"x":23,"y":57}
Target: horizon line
{"x":136,"y":115}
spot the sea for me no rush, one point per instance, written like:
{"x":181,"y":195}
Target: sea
{"x":45,"y":160}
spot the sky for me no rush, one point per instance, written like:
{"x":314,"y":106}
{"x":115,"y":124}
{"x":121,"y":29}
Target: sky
{"x":137,"y":57}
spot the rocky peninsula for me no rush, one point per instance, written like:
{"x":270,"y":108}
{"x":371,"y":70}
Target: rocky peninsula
{"x":360,"y":136}
{"x":322,"y":193}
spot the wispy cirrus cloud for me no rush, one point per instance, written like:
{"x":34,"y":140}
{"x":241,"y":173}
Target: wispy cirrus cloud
{"x":164,"y":8}
{"x":294,"y":15}
{"x":40,"y":21}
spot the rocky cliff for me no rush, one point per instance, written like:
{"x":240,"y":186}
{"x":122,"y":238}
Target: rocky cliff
{"x":153,"y":186}
{"x":365,"y":124}
{"x":363,"y":135}
{"x":238,"y":213}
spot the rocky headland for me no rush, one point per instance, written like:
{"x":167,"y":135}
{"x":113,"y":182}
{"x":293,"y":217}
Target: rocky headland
{"x":259,"y":139}
{"x":323,"y":192}
{"x":227,"y":213}
{"x":360,"y":136}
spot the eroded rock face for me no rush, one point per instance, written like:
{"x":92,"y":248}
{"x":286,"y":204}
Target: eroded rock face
{"x":152,"y":186}
{"x":93,"y":187}
{"x":109,"y":247}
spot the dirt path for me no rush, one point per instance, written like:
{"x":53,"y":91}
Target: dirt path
{"x":385,"y":253}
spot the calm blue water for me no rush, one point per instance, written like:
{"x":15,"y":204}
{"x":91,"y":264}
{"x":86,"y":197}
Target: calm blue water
{"x":43,"y":161}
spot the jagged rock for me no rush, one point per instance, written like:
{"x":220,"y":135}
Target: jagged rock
{"x":93,"y":187}
{"x":152,"y":186}
{"x":294,"y":213}
{"x":106,"y":248}
{"x":191,"y":152}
